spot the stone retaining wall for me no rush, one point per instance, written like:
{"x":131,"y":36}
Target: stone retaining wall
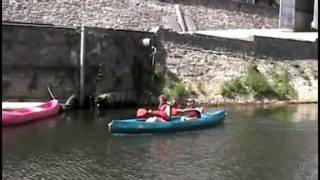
{"x":203,"y":69}
{"x":139,"y":14}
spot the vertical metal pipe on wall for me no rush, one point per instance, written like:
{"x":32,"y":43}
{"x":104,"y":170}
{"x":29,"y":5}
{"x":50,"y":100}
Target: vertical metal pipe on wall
{"x":82,"y":68}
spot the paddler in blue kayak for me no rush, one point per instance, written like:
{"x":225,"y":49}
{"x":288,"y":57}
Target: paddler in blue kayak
{"x":163,"y":113}
{"x":190,"y":106}
{"x":190,"y":112}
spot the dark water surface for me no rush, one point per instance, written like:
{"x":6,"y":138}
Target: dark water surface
{"x":253,"y":143}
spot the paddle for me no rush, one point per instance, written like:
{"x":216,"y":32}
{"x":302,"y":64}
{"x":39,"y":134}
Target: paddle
{"x":141,"y":113}
{"x":63,"y":106}
{"x":50,"y":92}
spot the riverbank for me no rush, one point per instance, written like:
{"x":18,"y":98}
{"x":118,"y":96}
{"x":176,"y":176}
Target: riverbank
{"x":253,"y":103}
{"x":236,"y":74}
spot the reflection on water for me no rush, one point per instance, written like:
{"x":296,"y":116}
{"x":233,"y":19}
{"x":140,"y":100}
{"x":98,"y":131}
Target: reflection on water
{"x":305,"y":113}
{"x":253,"y":143}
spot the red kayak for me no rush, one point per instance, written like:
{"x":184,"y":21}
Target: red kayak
{"x":23,"y":115}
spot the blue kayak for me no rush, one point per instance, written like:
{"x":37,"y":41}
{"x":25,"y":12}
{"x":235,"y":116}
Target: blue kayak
{"x":136,"y":126}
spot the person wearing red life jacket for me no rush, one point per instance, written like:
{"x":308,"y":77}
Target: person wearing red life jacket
{"x":190,"y":112}
{"x":190,"y":106}
{"x":163,"y":113}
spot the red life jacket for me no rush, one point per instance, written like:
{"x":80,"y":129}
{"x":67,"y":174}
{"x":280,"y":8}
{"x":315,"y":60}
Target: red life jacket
{"x":161,"y":112}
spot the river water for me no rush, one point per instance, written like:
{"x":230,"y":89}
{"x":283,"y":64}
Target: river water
{"x":260,"y":143}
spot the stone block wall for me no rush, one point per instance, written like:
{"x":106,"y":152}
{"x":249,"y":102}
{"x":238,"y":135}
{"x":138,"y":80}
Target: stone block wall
{"x":204,"y":68}
{"x":139,"y":14}
{"x":212,"y":43}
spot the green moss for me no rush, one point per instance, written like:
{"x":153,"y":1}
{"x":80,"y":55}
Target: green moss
{"x":282,"y":86}
{"x":232,"y":88}
{"x":257,"y":83}
{"x":158,"y":79}
{"x":259,"y":86}
{"x":175,"y":90}
{"x":179,"y":90}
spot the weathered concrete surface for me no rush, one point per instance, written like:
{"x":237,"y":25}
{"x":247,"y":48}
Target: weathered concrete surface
{"x":116,"y":63}
{"x":30,"y":83}
{"x":285,"y":49}
{"x":40,"y":46}
{"x":140,"y":14}
{"x":34,"y":57}
{"x":303,"y":15}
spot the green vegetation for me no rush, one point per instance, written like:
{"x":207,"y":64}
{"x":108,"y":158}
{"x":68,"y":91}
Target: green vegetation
{"x":175,"y":90}
{"x":158,"y":79}
{"x":256,"y":82}
{"x":258,"y":85}
{"x":282,"y":86}
{"x":161,"y":83}
{"x":232,"y":88}
{"x":157,"y":74}
{"x":178,"y":90}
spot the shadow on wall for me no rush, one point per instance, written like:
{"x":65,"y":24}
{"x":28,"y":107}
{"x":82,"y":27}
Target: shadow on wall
{"x":121,"y":69}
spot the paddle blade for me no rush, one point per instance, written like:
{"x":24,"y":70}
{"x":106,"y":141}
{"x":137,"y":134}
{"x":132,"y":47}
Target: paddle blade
{"x":141,"y":113}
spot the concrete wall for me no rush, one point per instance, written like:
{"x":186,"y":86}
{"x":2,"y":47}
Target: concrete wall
{"x":139,"y":14}
{"x":34,"y":57}
{"x":303,"y":15}
{"x":285,"y":48}
{"x":118,"y":65}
